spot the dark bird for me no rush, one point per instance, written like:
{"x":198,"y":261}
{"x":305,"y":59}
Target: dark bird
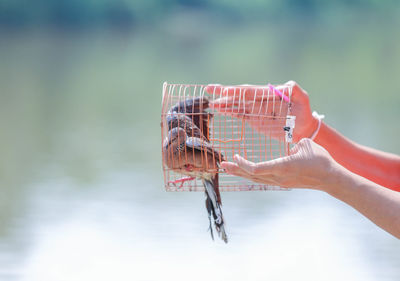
{"x":195,"y":157}
{"x":175,"y":120}
{"x":193,"y":108}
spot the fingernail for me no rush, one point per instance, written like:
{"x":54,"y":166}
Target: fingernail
{"x":224,"y":167}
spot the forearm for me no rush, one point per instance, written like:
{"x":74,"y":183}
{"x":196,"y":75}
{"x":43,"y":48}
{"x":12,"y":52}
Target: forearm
{"x":379,"y":167}
{"x":380,"y":205}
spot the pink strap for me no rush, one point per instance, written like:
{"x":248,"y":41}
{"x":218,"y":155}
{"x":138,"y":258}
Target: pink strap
{"x":278,"y":93}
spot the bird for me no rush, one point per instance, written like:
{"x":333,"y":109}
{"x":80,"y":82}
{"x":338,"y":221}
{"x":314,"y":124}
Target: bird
{"x":187,"y":151}
{"x":190,"y":115}
{"x":175,"y":120}
{"x":178,"y":116}
{"x":193,"y":108}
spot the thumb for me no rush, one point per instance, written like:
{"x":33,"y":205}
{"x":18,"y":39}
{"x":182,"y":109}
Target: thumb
{"x":244,"y":164}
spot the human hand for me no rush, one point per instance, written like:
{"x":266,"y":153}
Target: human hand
{"x":309,"y":165}
{"x":255,"y":102}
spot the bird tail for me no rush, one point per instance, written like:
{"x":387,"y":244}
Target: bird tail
{"x":214,"y":210}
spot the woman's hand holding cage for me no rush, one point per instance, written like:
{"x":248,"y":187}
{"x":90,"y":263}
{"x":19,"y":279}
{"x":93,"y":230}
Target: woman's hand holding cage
{"x":309,"y":165}
{"x":253,"y":103}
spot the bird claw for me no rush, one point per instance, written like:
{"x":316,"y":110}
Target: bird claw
{"x":181,"y":181}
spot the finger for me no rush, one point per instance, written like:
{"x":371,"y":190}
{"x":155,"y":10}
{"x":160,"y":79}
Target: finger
{"x":223,"y":102}
{"x":252,"y":92}
{"x":255,"y":112}
{"x":249,"y":92}
{"x":233,"y":168}
{"x":261,"y":180}
{"x":275,"y":166}
{"x":214,"y":89}
{"x":244,"y":164}
{"x":238,"y":101}
{"x":219,"y":89}
{"x":239,"y":173}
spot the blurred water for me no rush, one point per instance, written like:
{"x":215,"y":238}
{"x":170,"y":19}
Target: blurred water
{"x":80,"y":174}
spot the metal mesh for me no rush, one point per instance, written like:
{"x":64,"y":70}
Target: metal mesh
{"x":257,"y":132}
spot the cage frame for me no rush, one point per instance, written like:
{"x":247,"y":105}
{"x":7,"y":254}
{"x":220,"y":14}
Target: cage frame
{"x":282,"y":94}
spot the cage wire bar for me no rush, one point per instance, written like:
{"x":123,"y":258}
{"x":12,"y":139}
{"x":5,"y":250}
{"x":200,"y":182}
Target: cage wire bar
{"x":254,"y":128}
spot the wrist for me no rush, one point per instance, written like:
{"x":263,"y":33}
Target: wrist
{"x":338,"y":178}
{"x":311,"y":127}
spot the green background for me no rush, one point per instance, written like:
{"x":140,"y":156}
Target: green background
{"x":81,"y":188}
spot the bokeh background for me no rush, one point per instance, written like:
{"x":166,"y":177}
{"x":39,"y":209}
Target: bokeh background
{"x":81,"y":191}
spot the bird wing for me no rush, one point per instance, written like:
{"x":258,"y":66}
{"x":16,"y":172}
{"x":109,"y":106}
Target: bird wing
{"x":204,"y":120}
{"x":191,"y":105}
{"x":203,"y":146}
{"x":195,"y":109}
{"x":180,"y":120}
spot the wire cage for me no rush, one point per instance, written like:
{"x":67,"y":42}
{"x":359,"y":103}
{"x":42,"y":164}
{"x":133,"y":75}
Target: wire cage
{"x":252,"y":121}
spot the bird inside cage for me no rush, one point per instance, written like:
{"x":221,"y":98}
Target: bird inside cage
{"x":203,"y":126}
{"x":187,"y":151}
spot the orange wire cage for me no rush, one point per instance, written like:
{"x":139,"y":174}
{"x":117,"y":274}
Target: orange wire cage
{"x":252,"y":121}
